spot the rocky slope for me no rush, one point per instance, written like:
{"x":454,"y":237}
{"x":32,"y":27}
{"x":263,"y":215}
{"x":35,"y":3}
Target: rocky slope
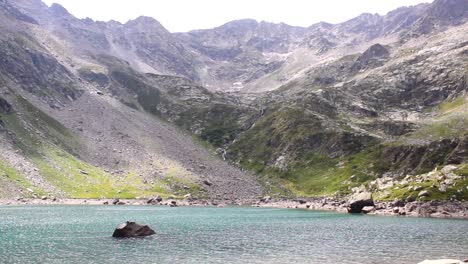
{"x":104,"y":109}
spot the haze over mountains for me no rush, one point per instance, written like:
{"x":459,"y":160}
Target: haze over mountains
{"x":96,"y":109}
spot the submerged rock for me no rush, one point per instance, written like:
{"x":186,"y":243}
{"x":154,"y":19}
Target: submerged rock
{"x":132,"y":229}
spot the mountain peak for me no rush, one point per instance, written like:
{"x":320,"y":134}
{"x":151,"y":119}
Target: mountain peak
{"x":242,"y":23}
{"x":144,"y":21}
{"x":58,"y":10}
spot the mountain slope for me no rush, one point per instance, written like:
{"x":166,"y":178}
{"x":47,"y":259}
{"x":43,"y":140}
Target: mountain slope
{"x":90,"y":109}
{"x":93,"y":128}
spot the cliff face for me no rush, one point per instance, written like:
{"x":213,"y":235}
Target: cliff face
{"x":95,"y":109}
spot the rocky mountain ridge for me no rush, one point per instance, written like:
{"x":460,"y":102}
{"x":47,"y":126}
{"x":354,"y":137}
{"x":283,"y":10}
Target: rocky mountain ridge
{"x":243,"y":55}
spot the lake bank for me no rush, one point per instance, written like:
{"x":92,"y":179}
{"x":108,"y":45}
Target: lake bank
{"x":433,"y":209}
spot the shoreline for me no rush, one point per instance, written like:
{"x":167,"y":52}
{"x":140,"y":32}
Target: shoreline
{"x":429,"y":209}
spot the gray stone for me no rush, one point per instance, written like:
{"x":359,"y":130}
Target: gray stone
{"x":448,"y":169}
{"x":443,"y":188}
{"x":359,"y":201}
{"x":423,"y":194}
{"x":367,"y":209}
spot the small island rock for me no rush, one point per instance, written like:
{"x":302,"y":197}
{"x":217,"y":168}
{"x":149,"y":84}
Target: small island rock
{"x":132,"y":229}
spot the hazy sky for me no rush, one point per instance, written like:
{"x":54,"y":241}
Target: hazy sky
{"x":185,"y":15}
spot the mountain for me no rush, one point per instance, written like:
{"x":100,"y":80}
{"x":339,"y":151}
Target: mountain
{"x":82,"y":124}
{"x":103,"y":109}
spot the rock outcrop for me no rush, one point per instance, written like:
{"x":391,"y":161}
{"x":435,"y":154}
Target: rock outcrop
{"x":5,"y":107}
{"x":359,"y":201}
{"x":132,"y":229}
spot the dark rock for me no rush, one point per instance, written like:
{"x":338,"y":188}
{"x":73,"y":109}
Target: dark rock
{"x":154,"y":200}
{"x":301,"y":201}
{"x":371,"y":57}
{"x":132,"y":229}
{"x":265,"y":199}
{"x":98,"y":78}
{"x":398,"y":203}
{"x":207,"y":182}
{"x":359,"y":201}
{"x":115,"y":201}
{"x":5,"y":107}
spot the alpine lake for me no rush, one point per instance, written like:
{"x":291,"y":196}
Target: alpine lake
{"x":82,"y":234}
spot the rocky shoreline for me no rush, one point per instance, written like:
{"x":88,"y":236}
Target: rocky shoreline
{"x":433,"y":209}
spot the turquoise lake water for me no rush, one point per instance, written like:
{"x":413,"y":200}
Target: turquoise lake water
{"x":82,"y":234}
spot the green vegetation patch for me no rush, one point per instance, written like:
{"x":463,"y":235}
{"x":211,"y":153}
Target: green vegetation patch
{"x":321,"y":175}
{"x":462,"y":170}
{"x":448,"y":106}
{"x":278,"y":130}
{"x":293,"y":134}
{"x":79,"y":179}
{"x":12,"y":176}
{"x":220,"y":122}
{"x":452,"y":127}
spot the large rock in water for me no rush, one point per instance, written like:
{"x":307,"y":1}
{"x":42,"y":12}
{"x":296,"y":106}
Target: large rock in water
{"x":132,"y":229}
{"x":359,"y":201}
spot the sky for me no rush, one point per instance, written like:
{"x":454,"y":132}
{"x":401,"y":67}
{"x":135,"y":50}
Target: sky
{"x":185,"y":15}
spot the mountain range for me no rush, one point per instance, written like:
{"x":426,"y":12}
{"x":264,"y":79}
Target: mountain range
{"x":92,"y":109}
